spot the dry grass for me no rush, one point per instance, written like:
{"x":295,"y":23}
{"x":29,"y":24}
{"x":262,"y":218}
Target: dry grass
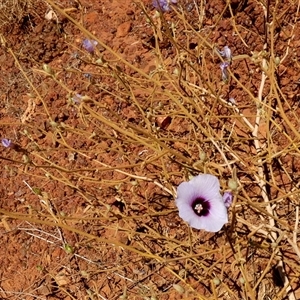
{"x":145,"y":248}
{"x":14,"y":10}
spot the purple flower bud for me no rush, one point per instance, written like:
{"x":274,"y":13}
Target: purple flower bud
{"x":227,"y":198}
{"x":6,"y":143}
{"x":226,"y":52}
{"x":225,"y":74}
{"x":89,"y":45}
{"x":164,"y":5}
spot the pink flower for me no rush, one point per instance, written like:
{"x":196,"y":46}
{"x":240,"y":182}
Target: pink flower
{"x":200,"y":203}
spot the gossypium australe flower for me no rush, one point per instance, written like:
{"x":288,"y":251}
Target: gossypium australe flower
{"x":200,"y":203}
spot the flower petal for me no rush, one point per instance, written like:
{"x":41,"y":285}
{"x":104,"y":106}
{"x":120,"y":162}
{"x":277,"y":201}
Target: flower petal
{"x":206,"y":186}
{"x":186,"y":193}
{"x":217,"y":217}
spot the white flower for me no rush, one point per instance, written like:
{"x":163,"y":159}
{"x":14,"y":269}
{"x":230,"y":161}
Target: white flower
{"x":200,"y":203}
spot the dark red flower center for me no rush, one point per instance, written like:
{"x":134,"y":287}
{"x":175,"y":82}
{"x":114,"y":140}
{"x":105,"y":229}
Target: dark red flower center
{"x":201,"y":207}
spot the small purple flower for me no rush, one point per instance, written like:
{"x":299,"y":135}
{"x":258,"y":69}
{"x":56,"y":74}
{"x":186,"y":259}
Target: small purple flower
{"x":164,"y":5}
{"x":89,"y":45}
{"x":226,"y":52}
{"x":227,"y":198}
{"x":225,"y":74}
{"x":6,"y":143}
{"x":200,"y":203}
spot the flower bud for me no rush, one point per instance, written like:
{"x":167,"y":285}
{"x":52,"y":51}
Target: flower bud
{"x":232,"y":184}
{"x":202,"y":156}
{"x":48,"y":69}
